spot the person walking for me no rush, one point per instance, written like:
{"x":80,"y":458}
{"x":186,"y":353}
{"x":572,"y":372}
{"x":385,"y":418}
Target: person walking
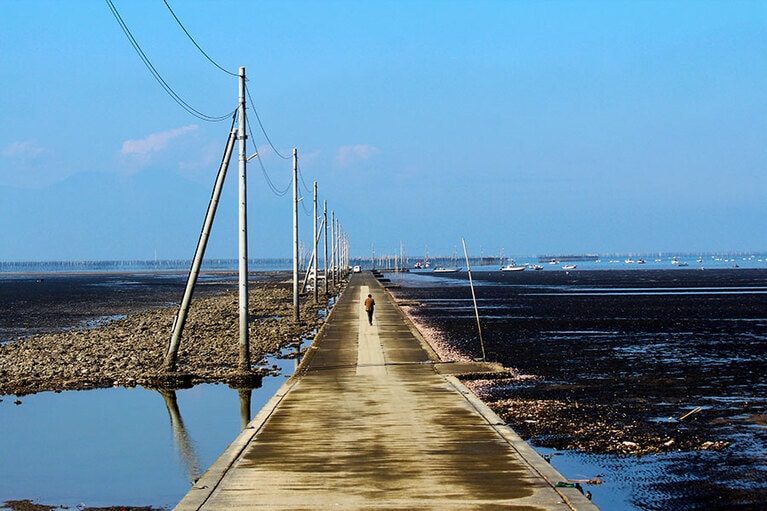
{"x":370,"y":306}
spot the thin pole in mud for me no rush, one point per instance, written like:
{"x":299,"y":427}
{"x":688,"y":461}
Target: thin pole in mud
{"x":474,"y":298}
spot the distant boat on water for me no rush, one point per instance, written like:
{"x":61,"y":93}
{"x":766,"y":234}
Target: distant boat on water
{"x":513,"y":266}
{"x":422,"y":265}
{"x":442,"y":269}
{"x":569,"y":267}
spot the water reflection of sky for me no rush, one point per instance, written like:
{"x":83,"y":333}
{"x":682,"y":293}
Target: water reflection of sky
{"x":118,"y":446}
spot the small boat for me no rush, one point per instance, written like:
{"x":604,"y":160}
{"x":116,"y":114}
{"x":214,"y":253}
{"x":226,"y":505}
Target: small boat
{"x":537,"y":267}
{"x":512,"y":266}
{"x":442,"y":269}
{"x":569,"y":267}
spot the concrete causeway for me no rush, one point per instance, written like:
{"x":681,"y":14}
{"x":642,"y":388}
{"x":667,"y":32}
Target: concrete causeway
{"x":371,"y":420}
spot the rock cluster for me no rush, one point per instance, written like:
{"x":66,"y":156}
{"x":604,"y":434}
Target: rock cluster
{"x":130,"y":351}
{"x":567,"y":424}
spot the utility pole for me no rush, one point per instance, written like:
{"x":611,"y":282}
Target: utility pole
{"x":244,"y":361}
{"x":341,"y":256}
{"x":346,"y":252}
{"x":296,"y":311}
{"x":337,"y":252}
{"x":333,"y":246}
{"x":314,"y":266}
{"x":325,"y":241}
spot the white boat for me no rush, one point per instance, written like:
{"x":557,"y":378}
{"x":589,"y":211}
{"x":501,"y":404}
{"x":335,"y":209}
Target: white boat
{"x":537,"y":267}
{"x":512,"y":266}
{"x":569,"y":267}
{"x":442,"y":269}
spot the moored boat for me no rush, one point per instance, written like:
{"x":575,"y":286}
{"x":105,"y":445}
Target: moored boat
{"x":513,"y":266}
{"x":442,"y":269}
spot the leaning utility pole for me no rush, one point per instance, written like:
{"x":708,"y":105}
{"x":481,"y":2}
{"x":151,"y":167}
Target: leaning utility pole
{"x":296,"y":312}
{"x":243,"y":225}
{"x":169,"y":363}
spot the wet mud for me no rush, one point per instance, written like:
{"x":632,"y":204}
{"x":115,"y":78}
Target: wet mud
{"x":28,"y":505}
{"x":76,"y":332}
{"x":625,"y":363}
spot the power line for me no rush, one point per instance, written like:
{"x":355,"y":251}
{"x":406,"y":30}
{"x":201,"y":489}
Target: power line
{"x":278,"y":192}
{"x":301,"y":174}
{"x":262,"y":126}
{"x":195,"y":42}
{"x":305,"y":208}
{"x":168,"y":89}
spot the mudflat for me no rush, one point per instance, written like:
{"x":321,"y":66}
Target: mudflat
{"x":81,"y":331}
{"x":667,"y":363}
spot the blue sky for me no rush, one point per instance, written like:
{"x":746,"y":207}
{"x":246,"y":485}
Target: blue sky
{"x":529,"y":127}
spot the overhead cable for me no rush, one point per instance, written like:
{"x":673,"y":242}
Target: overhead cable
{"x":305,"y":207}
{"x":262,"y":126}
{"x":278,"y":192}
{"x":195,"y":42}
{"x":168,"y":89}
{"x":302,"y":178}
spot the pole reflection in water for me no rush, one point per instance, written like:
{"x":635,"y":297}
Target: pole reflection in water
{"x":244,"y":407}
{"x":184,"y":448}
{"x":297,"y":356}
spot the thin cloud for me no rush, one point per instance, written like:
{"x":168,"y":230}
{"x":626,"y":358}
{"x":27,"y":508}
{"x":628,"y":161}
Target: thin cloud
{"x":349,"y":155}
{"x":155,"y":142}
{"x":26,"y":150}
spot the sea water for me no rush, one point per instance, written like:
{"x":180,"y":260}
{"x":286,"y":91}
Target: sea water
{"x":120,"y":446}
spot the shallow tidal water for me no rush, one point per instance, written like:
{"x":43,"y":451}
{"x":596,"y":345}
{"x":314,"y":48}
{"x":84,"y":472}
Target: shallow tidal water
{"x":119,"y":447}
